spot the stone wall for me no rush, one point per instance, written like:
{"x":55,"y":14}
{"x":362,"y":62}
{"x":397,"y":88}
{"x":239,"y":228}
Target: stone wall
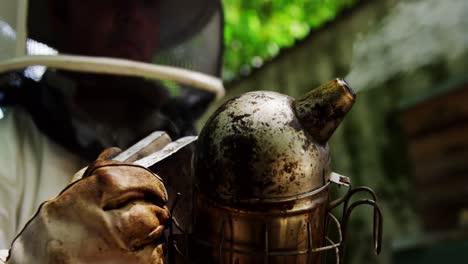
{"x":369,"y":146}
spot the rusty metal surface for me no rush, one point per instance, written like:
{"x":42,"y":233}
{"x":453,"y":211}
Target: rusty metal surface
{"x":265,"y":145}
{"x":298,"y":235}
{"x":271,"y":235}
{"x":322,"y":110}
{"x":255,"y":148}
{"x":262,"y":174}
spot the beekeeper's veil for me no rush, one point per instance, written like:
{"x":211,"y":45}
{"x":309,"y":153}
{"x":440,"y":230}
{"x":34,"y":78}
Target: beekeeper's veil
{"x":190,"y":37}
{"x":188,"y":55}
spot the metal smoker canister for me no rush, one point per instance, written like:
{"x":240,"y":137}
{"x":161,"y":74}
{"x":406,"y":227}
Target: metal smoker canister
{"x":262,"y":173}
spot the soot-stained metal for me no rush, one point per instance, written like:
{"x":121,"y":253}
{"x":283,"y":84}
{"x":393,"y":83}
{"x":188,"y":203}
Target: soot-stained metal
{"x":262,"y":173}
{"x":265,"y":145}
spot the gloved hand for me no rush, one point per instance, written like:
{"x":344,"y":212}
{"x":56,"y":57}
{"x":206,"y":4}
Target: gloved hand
{"x":114,"y":214}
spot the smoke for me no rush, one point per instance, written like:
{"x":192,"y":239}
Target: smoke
{"x":414,"y":34}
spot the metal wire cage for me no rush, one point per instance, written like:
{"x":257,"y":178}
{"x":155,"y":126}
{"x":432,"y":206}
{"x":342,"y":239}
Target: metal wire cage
{"x":314,"y":248}
{"x":310,"y":253}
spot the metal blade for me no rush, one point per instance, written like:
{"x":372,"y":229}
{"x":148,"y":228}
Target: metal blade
{"x":168,"y":150}
{"x":123,"y":156}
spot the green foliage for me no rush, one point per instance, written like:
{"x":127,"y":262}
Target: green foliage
{"x":256,"y":30}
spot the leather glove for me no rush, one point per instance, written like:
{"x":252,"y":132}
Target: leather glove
{"x":114,"y":214}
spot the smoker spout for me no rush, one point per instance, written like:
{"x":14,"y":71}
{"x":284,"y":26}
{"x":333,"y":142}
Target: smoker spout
{"x":321,"y":110}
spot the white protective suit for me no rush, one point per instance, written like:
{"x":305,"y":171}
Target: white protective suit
{"x":113,"y":213}
{"x":32,"y":169}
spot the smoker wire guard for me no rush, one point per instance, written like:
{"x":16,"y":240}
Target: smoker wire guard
{"x":338,"y":247}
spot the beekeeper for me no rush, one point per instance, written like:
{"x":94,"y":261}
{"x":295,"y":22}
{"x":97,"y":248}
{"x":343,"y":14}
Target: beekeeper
{"x":80,"y":76}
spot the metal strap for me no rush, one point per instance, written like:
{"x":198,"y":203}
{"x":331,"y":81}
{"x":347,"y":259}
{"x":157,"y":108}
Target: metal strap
{"x":340,"y":179}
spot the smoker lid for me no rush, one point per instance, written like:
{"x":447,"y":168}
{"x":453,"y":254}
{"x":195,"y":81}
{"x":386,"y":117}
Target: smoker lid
{"x":253,"y":149}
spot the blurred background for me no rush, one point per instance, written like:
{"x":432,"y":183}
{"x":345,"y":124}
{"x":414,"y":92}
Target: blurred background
{"x":407,"y":135}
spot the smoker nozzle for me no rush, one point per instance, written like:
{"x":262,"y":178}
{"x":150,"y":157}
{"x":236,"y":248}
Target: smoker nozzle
{"x":321,"y":110}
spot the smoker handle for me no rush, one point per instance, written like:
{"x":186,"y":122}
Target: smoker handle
{"x":377,"y":231}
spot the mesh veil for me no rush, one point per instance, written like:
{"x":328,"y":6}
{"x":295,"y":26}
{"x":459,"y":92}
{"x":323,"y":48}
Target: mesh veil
{"x":192,"y":40}
{"x":191,"y":50}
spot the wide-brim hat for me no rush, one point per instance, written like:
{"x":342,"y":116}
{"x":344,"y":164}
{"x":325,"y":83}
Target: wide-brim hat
{"x":189,"y":51}
{"x":179,"y":20}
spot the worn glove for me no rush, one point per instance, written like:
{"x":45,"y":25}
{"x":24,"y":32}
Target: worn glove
{"x":114,"y":214}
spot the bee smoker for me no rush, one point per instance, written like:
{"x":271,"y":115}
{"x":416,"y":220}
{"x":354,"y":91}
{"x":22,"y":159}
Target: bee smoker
{"x":263,"y":176}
